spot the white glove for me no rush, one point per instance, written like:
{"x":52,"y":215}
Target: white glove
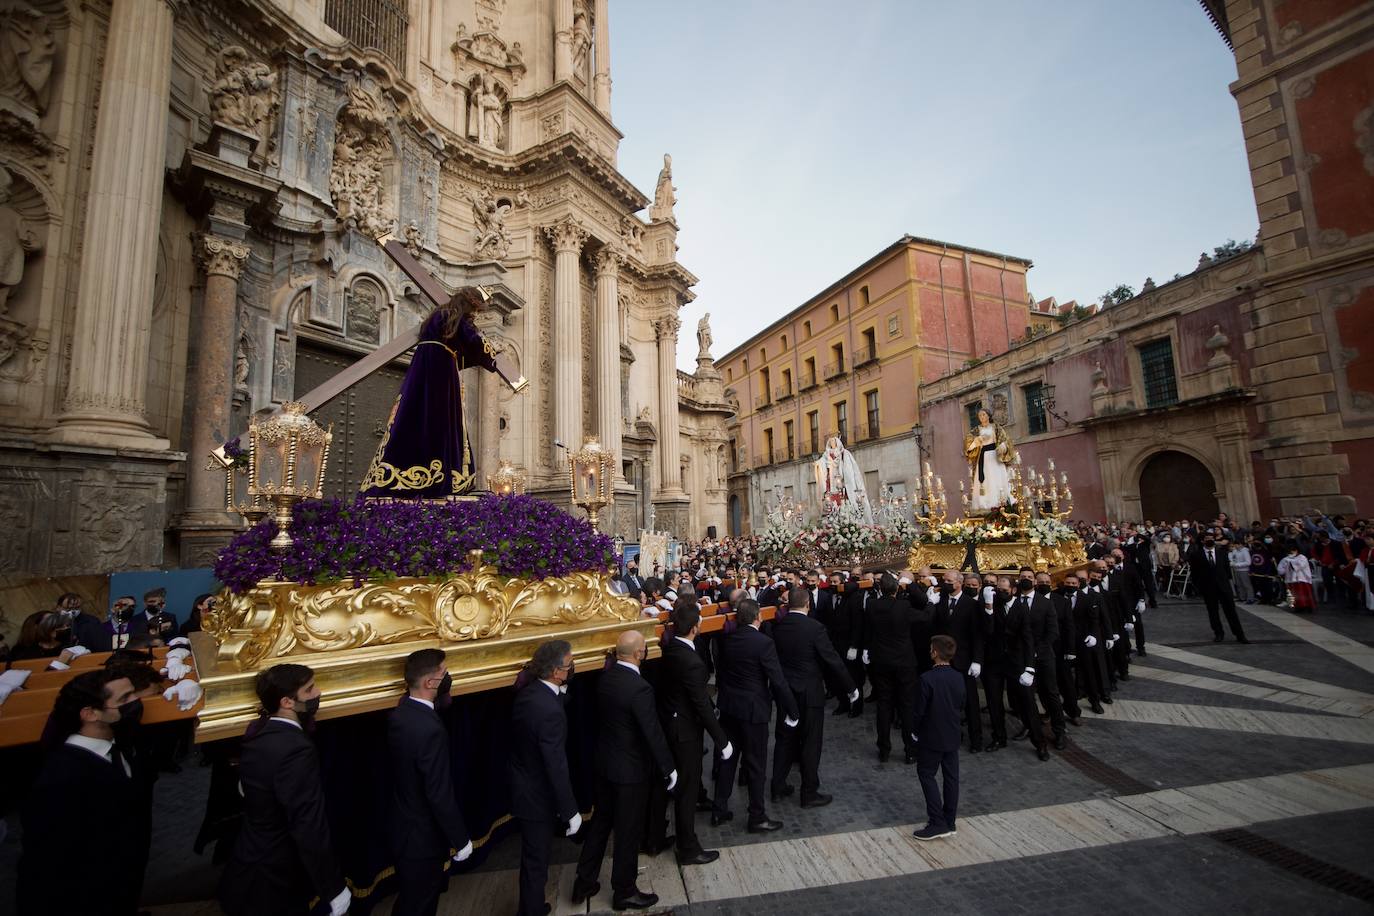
{"x":1026,"y":679}
{"x":727,"y":751}
{"x":1140,"y":606}
{"x":175,"y":670}
{"x":975,"y":669}
{"x":988,"y":593}
{"x":866,"y":661}
{"x":463,"y":854}
{"x":854,"y":696}
{"x":339,"y":905}
{"x":672,"y":780}
{"x":77,"y":651}
{"x":178,"y":654}
{"x":851,"y":654}
{"x":574,"y":825}
{"x":1090,"y":642}
{"x":58,"y":665}
{"x":1070,"y":658}
{"x":184,"y":693}
{"x":1111,"y":643}
{"x":179,"y":641}
{"x":1129,"y":628}
{"x":791,"y":722}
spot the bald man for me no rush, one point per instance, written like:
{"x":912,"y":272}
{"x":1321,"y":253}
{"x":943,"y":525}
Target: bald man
{"x":631,"y":752}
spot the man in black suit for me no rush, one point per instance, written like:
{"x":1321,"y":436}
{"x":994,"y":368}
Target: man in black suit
{"x":1211,"y":566}
{"x":634,"y":583}
{"x":1096,"y":592}
{"x":87,"y":629}
{"x":156,"y":621}
{"x":1136,"y":546}
{"x":426,"y":825}
{"x":86,"y":785}
{"x":822,"y":599}
{"x":846,"y":631}
{"x":630,"y":753}
{"x":891,"y":661}
{"x":684,"y":707}
{"x":283,"y":857}
{"x":748,"y":673}
{"x":1008,"y":651}
{"x":1087,"y":631}
{"x":807,"y":656}
{"x":541,"y":794}
{"x":937,"y":731}
{"x":1130,"y":584}
{"x":959,"y":615}
{"x":1064,"y":647}
{"x":1020,"y":649}
{"x":1044,"y":627}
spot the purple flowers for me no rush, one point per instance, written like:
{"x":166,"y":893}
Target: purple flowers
{"x":521,"y":536}
{"x":235,"y":452}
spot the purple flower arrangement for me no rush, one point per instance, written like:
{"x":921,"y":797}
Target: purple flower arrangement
{"x":235,"y":452}
{"x":335,"y":541}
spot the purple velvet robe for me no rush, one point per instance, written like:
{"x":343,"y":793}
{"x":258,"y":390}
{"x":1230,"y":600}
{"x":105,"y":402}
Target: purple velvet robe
{"x":425,"y":452}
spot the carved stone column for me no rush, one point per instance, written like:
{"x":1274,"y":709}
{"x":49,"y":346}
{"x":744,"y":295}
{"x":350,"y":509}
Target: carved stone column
{"x":608,"y":422}
{"x":601,"y":83}
{"x":106,"y":389}
{"x":567,"y":237}
{"x":669,"y":449}
{"x":206,"y":524}
{"x":562,"y":38}
{"x":487,"y":417}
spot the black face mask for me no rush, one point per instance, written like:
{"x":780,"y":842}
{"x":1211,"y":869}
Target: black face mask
{"x":1024,"y":585}
{"x":124,"y":614}
{"x":1042,"y":589}
{"x":306,"y":709}
{"x":946,"y":588}
{"x":1208,"y":543}
{"x":443,"y":697}
{"x":1070,"y":589}
{"x":130,"y":715}
{"x":62,"y":634}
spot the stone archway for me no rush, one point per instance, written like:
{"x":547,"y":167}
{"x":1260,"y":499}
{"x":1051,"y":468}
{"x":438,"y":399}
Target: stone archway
{"x":1175,"y":485}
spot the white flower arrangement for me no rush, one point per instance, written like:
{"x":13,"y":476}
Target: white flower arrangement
{"x":1050,"y":531}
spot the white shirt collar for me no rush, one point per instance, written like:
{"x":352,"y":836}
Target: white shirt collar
{"x":551,"y":685}
{"x":634,"y":668}
{"x":423,"y":701}
{"x":98,"y":746}
{"x":686,"y":642}
{"x":287,"y":721}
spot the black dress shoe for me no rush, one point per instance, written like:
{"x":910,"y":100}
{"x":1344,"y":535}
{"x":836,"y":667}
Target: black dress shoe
{"x":1142,"y":654}
{"x":1107,"y":700}
{"x":975,"y":748}
{"x":1218,"y":638}
{"x":1123,"y":677}
{"x":654,"y":849}
{"x":765,"y":826}
{"x":817,"y":801}
{"x":583,"y":892}
{"x":1243,"y":641}
{"x":636,"y":901}
{"x":992,"y":746}
{"x":718,"y":818}
{"x":1042,"y":752}
{"x":1097,"y":708}
{"x":1075,"y":721}
{"x":1022,"y":735}
{"x":705,"y":857}
{"x":1061,"y":742}
{"x":783,"y":792}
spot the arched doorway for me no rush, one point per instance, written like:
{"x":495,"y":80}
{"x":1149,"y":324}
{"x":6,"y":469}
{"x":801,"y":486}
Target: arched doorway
{"x":1175,"y":485}
{"x":736,"y":519}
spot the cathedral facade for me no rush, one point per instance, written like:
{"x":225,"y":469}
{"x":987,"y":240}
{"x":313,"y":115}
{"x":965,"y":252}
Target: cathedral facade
{"x":191,"y":194}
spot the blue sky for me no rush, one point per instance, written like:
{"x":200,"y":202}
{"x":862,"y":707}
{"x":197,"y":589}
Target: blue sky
{"x":1097,"y":139}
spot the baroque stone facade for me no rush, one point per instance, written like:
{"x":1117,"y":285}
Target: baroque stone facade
{"x":244,"y":221}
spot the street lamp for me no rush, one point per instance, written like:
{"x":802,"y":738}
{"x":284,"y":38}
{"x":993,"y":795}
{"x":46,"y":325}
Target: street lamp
{"x":507,"y":481}
{"x":589,"y":477}
{"x":918,"y":433}
{"x":1047,"y":401}
{"x":289,"y":454}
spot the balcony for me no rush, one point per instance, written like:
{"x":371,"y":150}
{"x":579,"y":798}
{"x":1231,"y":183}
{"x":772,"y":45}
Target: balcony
{"x":869,"y":431}
{"x":807,"y":383}
{"x":782,"y":394}
{"x":791,"y":451}
{"x":865,"y":355}
{"x":761,"y":402}
{"x":834,"y":370}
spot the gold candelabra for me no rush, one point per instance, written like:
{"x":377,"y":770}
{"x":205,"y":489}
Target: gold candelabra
{"x":507,"y":481}
{"x":933,"y":500}
{"x":288,"y":454}
{"x":590,"y":471}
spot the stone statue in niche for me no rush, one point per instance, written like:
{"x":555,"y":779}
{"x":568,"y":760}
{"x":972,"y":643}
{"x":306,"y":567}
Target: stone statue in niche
{"x":582,"y":33}
{"x":704,"y":337}
{"x":664,"y":192}
{"x":490,"y":240}
{"x":245,"y":96}
{"x":17,"y":242}
{"x":415,"y":239}
{"x":245,"y":354}
{"x":27,"y":49}
{"x":355,"y":177}
{"x":485,"y":114}
{"x":362,"y":314}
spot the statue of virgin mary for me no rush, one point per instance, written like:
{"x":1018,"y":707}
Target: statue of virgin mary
{"x":990,"y":456}
{"x":839,"y":481}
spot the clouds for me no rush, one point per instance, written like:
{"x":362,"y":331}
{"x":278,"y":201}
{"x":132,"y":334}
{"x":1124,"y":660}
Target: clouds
{"x":1100,"y":141}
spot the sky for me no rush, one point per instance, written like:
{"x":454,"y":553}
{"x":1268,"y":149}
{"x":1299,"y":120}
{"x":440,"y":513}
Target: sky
{"x":1097,"y":138}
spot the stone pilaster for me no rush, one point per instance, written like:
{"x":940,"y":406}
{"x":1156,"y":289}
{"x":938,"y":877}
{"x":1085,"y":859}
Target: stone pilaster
{"x":105,"y":398}
{"x":562,"y":40}
{"x":567,"y":237}
{"x":669,"y":449}
{"x":487,"y":417}
{"x":608,"y":417}
{"x":601,"y":83}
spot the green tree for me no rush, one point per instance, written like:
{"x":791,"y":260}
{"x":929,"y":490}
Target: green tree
{"x":1230,"y":249}
{"x":1117,"y":296}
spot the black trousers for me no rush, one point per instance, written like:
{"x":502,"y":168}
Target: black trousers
{"x":419,"y":883}
{"x":857,"y":671}
{"x":972,"y":711}
{"x":1221,"y":599}
{"x":895,"y":686}
{"x":619,"y":808}
{"x":536,"y":844}
{"x":1067,"y":673}
{"x":1139,"y":622}
{"x":1047,"y":688}
{"x":940,"y":810}
{"x":1024,"y":708}
{"x":687,"y":760}
{"x":1119,"y":658}
{"x":751,"y":740}
{"x":995,"y":688}
{"x":801,"y":744}
{"x":1090,"y":667}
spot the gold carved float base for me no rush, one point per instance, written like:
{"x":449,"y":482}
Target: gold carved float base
{"x":357,"y":639}
{"x":1002,"y":556}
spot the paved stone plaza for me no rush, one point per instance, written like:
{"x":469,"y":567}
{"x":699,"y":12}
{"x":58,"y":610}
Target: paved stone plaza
{"x":1224,"y":777}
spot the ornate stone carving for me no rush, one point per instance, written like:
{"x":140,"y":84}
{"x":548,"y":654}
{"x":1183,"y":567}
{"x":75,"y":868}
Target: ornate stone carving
{"x":608,"y":260}
{"x":551,"y":126}
{"x":664,"y":193}
{"x":704,"y":337}
{"x":222,"y":257}
{"x":490,"y":240}
{"x":244,"y":97}
{"x":363,"y":312}
{"x":415,"y":238}
{"x":13,"y":338}
{"x":488,"y":14}
{"x":112,"y":518}
{"x":1148,"y":285}
{"x":487,"y":113}
{"x":581,"y":34}
{"x":17,"y":242}
{"x":632,"y":236}
{"x":27,"y":50}
{"x":360,"y":150}
{"x":567,"y":234}
{"x":667,"y":326}
{"x":245,"y":354}
{"x":1218,"y":343}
